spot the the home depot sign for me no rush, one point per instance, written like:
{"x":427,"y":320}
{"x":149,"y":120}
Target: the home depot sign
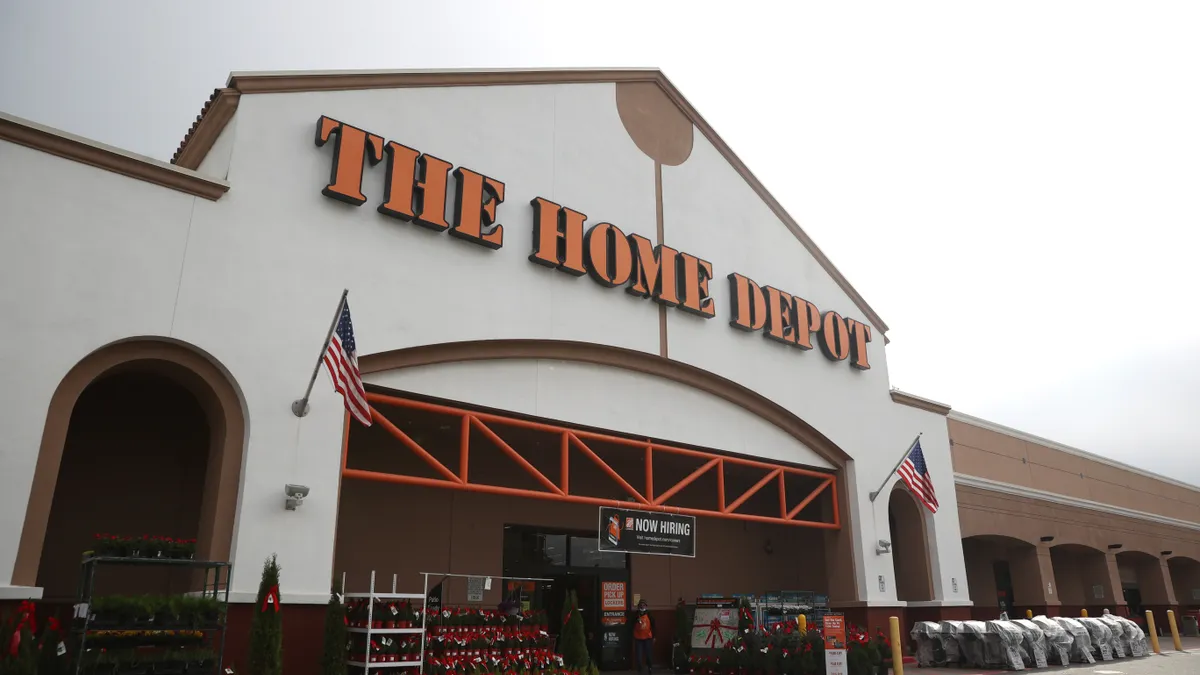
{"x":416,"y":189}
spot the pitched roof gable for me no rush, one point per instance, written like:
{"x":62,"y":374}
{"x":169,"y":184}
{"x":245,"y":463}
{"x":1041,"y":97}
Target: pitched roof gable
{"x":220,"y":107}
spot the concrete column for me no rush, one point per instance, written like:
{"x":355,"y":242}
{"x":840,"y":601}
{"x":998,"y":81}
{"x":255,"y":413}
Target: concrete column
{"x":1046,"y":575}
{"x":1168,"y":584}
{"x":1114,"y":595}
{"x":1033,"y":579}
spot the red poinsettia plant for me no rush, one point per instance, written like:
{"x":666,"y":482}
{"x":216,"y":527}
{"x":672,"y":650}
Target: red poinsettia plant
{"x":146,"y":546}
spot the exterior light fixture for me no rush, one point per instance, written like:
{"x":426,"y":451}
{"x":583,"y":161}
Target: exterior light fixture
{"x":1113,"y":547}
{"x":1046,"y":539}
{"x":1165,"y":553}
{"x":295,"y":496}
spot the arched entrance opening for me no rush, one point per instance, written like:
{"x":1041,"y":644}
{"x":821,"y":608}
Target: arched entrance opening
{"x":530,"y":471}
{"x":142,"y":438}
{"x":1185,"y":576}
{"x":1142,"y":581}
{"x":910,"y":550}
{"x":133,"y":464}
{"x":1003,"y":576}
{"x":1083,"y":579}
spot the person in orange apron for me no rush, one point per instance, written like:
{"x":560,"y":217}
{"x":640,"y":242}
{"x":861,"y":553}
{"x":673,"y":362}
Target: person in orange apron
{"x":643,"y":638}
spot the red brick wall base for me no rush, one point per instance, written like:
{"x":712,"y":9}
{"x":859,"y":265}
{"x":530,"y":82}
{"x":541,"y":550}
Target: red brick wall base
{"x":303,"y":638}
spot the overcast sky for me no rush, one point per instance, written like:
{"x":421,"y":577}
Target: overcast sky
{"x":1014,"y":186}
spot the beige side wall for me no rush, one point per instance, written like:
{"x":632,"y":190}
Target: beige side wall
{"x":983,"y":512}
{"x":985,"y":453}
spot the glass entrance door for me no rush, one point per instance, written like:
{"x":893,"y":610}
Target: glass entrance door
{"x":572,"y":561}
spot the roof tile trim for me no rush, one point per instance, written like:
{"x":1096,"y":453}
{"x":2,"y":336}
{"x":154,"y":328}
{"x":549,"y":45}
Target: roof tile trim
{"x":218,"y":110}
{"x":220,"y":107}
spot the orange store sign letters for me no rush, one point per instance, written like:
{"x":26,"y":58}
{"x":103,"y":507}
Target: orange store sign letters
{"x":416,"y":189}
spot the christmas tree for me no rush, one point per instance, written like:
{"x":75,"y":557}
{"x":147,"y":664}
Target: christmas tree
{"x":52,"y":660}
{"x":333,"y":659}
{"x":683,"y":638}
{"x":572,"y":643}
{"x":266,"y":630}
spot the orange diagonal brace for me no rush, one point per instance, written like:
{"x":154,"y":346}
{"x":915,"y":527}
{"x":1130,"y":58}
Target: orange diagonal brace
{"x":782,"y":496}
{"x":464,"y":449}
{"x":721,"y":486}
{"x":808,"y":500}
{"x":531,"y":469}
{"x":662,"y":499}
{"x":837,"y":519}
{"x":649,"y":500}
{"x":755,"y":488}
{"x":650,"y":473}
{"x":608,"y":469}
{"x":359,"y":474}
{"x":412,"y":445}
{"x":566,"y":463}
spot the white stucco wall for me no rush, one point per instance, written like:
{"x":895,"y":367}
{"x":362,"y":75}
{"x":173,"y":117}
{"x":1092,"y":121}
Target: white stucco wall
{"x":252,"y":280}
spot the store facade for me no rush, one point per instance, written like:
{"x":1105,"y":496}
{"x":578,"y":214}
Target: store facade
{"x":567,"y":293}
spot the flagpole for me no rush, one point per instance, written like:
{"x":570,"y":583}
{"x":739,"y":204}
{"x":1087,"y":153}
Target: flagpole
{"x":300,"y":406}
{"x":894,"y":468}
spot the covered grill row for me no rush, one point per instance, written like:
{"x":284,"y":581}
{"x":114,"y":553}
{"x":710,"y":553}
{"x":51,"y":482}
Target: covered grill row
{"x":1027,"y":643}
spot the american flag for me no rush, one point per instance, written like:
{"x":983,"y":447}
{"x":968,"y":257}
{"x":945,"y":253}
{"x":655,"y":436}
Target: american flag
{"x":915,"y":475}
{"x":341,"y":359}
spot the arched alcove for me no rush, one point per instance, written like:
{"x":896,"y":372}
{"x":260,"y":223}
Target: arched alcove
{"x":910,"y":548}
{"x":1142,"y":580}
{"x":133,"y":464}
{"x":1185,"y":576}
{"x":142,"y":437}
{"x":1083,"y":577}
{"x":1002,"y":573}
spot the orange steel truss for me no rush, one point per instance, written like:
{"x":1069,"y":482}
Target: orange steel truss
{"x":645,"y":499}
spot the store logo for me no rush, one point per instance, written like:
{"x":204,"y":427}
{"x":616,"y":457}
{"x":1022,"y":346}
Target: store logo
{"x":416,"y":189}
{"x":614,"y":530}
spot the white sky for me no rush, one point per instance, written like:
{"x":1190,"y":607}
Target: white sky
{"x":1014,"y":186}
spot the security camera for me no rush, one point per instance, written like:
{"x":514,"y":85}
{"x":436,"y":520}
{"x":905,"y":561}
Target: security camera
{"x":883,"y":547}
{"x":295,"y":495}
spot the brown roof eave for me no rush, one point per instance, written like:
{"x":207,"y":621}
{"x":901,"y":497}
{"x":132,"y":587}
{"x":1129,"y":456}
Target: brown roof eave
{"x":85,"y":151}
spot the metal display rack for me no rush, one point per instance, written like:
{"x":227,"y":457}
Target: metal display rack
{"x":371,"y":596}
{"x":215,"y":585}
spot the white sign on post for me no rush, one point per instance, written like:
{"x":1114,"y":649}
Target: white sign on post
{"x":835,"y":662}
{"x":474,"y":589}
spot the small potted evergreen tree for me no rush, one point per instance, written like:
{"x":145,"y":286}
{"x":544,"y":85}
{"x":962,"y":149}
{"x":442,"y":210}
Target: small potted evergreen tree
{"x":572,"y":644}
{"x":266,"y":628}
{"x":333,"y":657}
{"x":682,"y":649}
